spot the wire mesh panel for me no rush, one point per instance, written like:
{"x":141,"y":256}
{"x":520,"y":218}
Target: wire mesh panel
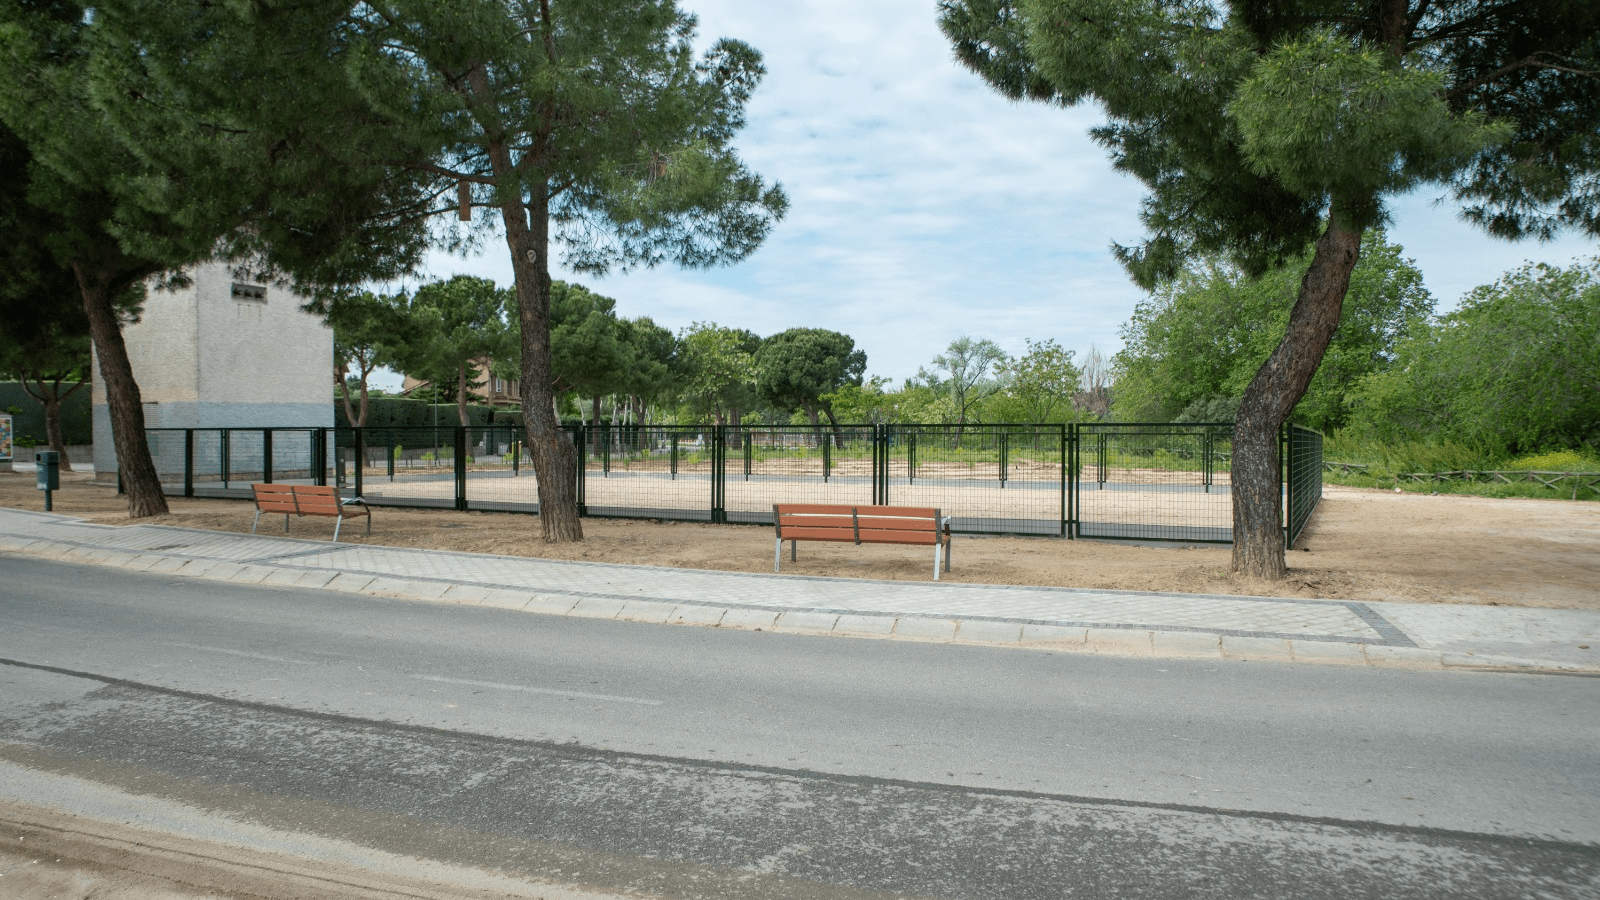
{"x":795,"y":464}
{"x":398,"y":466}
{"x":168,"y":450}
{"x":1302,"y":479}
{"x":293,"y":454}
{"x":1161,"y":482}
{"x":498,"y":472}
{"x":998,"y":479}
{"x":655,"y":472}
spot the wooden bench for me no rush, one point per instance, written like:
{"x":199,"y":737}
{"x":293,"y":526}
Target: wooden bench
{"x":307,"y":500}
{"x":861,"y":525}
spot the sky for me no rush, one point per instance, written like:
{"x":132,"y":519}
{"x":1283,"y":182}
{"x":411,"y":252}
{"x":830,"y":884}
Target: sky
{"x":925,"y":207}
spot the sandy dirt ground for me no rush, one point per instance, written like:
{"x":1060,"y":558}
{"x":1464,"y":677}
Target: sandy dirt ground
{"x":1360,"y":545}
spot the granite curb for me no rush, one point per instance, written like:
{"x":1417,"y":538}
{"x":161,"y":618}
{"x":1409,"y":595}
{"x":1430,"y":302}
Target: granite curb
{"x":978,"y":631}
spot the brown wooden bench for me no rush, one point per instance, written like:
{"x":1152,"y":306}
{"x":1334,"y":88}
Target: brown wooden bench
{"x":861,"y":525}
{"x":307,"y":500}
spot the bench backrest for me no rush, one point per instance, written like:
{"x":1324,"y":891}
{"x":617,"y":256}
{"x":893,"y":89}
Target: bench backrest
{"x":317,"y":500}
{"x":275,"y":498}
{"x":857,"y":524}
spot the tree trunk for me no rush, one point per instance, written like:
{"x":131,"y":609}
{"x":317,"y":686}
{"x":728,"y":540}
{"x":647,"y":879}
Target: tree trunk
{"x":137,"y":469}
{"x":838,"y":433}
{"x":1257,"y":475}
{"x":816,"y":423}
{"x":599,"y":433}
{"x":50,"y":398}
{"x":461,"y":393}
{"x":555,"y":459}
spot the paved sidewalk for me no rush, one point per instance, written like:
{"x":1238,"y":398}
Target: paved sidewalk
{"x":1116,"y":622}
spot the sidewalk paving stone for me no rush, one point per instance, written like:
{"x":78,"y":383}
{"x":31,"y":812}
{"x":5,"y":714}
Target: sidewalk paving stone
{"x":1117,"y":622}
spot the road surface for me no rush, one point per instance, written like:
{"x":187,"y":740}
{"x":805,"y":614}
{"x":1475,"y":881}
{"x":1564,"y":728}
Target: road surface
{"x":690,"y":762}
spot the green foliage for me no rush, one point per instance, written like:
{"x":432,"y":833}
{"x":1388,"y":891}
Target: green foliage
{"x":1039,"y":385}
{"x":798,"y":368}
{"x":965,"y":374}
{"x":1192,"y":347}
{"x":1515,"y":370}
{"x":719,"y":367}
{"x":1557,"y":461}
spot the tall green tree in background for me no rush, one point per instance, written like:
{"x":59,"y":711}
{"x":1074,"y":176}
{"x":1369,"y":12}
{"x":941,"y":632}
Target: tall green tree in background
{"x":720,"y":369}
{"x":964,"y":373}
{"x":369,"y":330}
{"x":457,"y":326}
{"x":1191,"y":349}
{"x":1262,"y":128}
{"x":798,"y":367}
{"x":588,"y":123}
{"x":1515,"y":369}
{"x":163,"y":133}
{"x":1040,"y":384}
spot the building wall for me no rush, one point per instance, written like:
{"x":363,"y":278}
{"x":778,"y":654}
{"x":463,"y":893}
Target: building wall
{"x":207,"y":356}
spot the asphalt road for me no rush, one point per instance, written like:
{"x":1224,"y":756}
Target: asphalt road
{"x":693,"y":762}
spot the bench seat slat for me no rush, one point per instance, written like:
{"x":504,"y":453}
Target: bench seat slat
{"x":878,"y":522}
{"x":885,"y":536}
{"x":804,"y":533}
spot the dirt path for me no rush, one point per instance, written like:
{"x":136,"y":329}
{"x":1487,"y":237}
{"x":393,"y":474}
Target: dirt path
{"x":1360,"y":545}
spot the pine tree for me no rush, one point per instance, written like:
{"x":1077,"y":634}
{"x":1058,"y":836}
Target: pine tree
{"x":1263,"y":128}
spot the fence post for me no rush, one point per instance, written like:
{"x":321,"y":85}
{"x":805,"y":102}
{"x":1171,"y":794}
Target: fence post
{"x":361,"y":458}
{"x":226,"y":448}
{"x":827,"y":456}
{"x":719,"y":472}
{"x":674,"y":455}
{"x":749,"y":452}
{"x":911,"y":457}
{"x":580,"y":446}
{"x":1206,"y":445}
{"x":319,"y":456}
{"x":188,"y":462}
{"x":1066,"y":485}
{"x":461,"y":467}
{"x":266,"y":455}
{"x":1003,"y":448}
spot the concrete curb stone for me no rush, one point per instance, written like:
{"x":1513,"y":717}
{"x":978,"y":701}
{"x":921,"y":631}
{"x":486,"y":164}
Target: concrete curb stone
{"x":697,"y":615}
{"x":1187,"y":644}
{"x":652,"y":611}
{"x":804,"y":622}
{"x":1054,"y":637}
{"x":919,"y":628}
{"x":1119,"y":641}
{"x":865,"y":626}
{"x":1256,"y":648}
{"x":1402,"y":657}
{"x":1328,"y":652}
{"x":749,"y":619}
{"x":597,"y":608}
{"x":985,"y":632}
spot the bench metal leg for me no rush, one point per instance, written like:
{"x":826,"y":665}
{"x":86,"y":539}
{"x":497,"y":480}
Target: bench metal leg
{"x":336,"y":523}
{"x":256,"y":522}
{"x":936,"y":560}
{"x":285,"y":523}
{"x":777,"y":554}
{"x":792,"y":548}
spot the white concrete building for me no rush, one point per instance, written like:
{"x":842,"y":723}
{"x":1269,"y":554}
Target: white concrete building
{"x":224,"y":353}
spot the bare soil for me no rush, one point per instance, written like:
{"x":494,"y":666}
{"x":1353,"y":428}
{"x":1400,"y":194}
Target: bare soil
{"x":1362,"y":544}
